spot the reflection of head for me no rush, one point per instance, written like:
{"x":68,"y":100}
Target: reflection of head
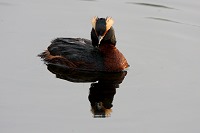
{"x":99,"y":111}
{"x":101,"y":98}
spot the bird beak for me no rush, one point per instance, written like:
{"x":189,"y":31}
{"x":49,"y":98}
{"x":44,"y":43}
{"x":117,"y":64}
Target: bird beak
{"x":100,"y":38}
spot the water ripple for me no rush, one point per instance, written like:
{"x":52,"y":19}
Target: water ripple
{"x":5,"y":4}
{"x":172,"y":21}
{"x":149,"y":4}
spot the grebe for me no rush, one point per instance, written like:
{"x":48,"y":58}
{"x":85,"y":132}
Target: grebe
{"x":99,"y":54}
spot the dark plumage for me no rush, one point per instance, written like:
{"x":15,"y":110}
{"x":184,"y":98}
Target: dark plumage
{"x":100,"y":54}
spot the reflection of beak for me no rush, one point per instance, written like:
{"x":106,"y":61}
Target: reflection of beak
{"x":100,"y":38}
{"x":99,"y":105}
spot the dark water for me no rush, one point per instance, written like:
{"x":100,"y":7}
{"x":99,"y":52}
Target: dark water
{"x":160,"y":92}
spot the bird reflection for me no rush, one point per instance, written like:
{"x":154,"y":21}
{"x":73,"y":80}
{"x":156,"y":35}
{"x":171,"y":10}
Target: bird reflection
{"x":101,"y":97}
{"x":102,"y":89}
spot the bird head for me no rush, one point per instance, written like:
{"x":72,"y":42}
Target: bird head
{"x":101,"y":28}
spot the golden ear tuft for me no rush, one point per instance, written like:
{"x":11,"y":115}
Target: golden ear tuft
{"x":109,"y":22}
{"x":94,"y":20}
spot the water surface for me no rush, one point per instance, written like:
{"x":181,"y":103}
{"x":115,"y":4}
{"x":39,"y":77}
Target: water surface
{"x":159,"y":94}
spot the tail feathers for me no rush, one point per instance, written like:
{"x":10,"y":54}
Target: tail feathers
{"x":47,"y":57}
